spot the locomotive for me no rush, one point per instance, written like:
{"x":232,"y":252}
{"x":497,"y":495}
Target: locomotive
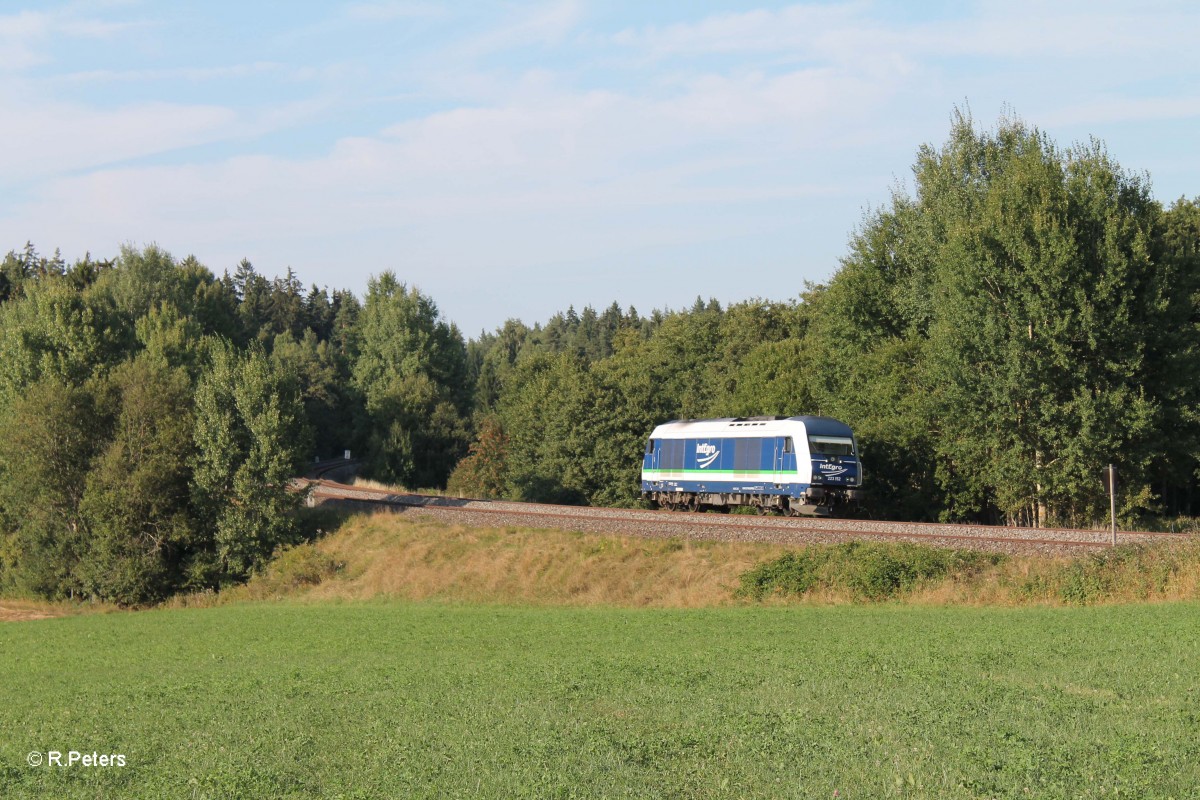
{"x":799,"y":466}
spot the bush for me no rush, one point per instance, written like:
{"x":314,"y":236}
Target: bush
{"x":871,"y":571}
{"x":1135,"y":571}
{"x":293,"y":568}
{"x":483,"y":473}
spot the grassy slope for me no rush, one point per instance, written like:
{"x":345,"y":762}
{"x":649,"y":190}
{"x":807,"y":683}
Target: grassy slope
{"x":399,"y":699}
{"x":416,"y":558}
{"x":412,"y":557}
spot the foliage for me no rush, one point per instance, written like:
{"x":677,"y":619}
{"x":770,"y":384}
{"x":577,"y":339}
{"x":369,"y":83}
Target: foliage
{"x":482,"y":473}
{"x":48,"y":439}
{"x":52,"y":331}
{"x":323,"y":381}
{"x":293,"y":568}
{"x":866,"y":570}
{"x":142,"y":534}
{"x":110,"y":400}
{"x":1136,"y":572}
{"x":545,"y":458}
{"x":411,"y":370}
{"x":1009,"y":327}
{"x":1026,"y":315}
{"x":250,"y":440}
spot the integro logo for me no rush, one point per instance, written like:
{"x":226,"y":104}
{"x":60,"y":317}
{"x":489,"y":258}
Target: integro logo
{"x":706,"y":454}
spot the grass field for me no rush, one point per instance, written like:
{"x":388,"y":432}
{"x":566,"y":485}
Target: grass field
{"x":403,"y":699}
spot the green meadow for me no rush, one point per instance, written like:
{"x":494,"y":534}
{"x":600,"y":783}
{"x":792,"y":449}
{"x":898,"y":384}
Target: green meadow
{"x":403,"y":699}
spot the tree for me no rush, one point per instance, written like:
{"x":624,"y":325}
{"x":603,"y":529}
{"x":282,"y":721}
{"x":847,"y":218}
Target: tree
{"x":169,"y":338}
{"x":494,"y":358}
{"x":412,"y":372}
{"x":142,"y":532}
{"x":322,"y":380}
{"x":52,"y":330}
{"x":286,"y":306}
{"x":484,"y":472}
{"x":1020,"y":294}
{"x":48,"y":438}
{"x":250,"y":440}
{"x":253,"y":293}
{"x":547,"y":414}
{"x":759,"y":363}
{"x":1177,"y":355}
{"x":142,"y":280}
{"x":681,"y":355}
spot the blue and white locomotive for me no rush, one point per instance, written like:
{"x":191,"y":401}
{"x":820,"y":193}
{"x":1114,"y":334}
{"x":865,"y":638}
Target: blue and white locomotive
{"x":790,"y":465}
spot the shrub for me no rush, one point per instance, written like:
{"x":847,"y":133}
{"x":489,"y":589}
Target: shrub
{"x":872,"y":571}
{"x":1135,"y":571}
{"x":483,"y":472}
{"x":294,"y":568}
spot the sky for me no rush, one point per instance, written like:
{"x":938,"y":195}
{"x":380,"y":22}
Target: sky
{"x":513,"y":158}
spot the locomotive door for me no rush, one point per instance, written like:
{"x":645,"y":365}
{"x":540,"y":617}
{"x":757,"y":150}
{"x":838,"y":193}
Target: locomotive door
{"x":780,"y":450}
{"x":650,"y":461}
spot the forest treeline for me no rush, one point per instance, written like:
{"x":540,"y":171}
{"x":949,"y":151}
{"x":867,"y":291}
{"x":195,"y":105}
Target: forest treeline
{"x":1025,"y":316}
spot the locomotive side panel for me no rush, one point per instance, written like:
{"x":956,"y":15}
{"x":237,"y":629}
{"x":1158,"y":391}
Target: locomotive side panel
{"x":799,"y":465}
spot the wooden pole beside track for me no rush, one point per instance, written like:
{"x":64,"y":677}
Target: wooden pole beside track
{"x":1112,"y":501}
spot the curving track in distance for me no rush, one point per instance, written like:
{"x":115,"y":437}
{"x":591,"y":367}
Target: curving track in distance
{"x":724,"y":527}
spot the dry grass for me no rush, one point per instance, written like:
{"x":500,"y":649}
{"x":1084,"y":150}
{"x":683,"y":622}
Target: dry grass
{"x":12,"y":610}
{"x":1138,"y":573}
{"x":382,"y":555}
{"x":391,"y":488}
{"x":416,"y":557}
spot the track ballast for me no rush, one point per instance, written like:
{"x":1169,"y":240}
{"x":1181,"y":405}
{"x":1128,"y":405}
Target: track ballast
{"x":721,"y":527}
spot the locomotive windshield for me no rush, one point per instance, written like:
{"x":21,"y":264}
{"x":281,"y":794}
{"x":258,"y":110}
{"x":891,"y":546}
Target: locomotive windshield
{"x":830,"y":446}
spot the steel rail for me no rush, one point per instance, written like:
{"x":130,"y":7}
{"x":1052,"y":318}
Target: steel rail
{"x":329,"y":490}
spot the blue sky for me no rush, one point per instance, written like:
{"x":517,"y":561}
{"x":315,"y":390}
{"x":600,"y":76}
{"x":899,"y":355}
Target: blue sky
{"x":513,"y":158}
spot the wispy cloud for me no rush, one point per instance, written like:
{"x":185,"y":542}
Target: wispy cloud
{"x":459,"y":141}
{"x":58,"y":138}
{"x":851,"y":30}
{"x":24,"y":36}
{"x":545,"y":25}
{"x":1109,"y":108}
{"x":388,"y":11}
{"x":189,"y":74}
{"x":760,"y":30}
{"x":598,"y":154}
{"x":35,"y":24}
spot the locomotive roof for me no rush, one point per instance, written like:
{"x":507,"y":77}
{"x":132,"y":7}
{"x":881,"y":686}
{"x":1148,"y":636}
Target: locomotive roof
{"x":749,"y":426}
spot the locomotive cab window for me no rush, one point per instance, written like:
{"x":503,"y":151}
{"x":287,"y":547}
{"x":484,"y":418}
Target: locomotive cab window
{"x":788,"y":445}
{"x":830,"y":446}
{"x":650,"y":447}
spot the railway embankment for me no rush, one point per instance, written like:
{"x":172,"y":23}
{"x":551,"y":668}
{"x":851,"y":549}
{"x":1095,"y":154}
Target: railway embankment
{"x":794,"y":531}
{"x":423,"y":555}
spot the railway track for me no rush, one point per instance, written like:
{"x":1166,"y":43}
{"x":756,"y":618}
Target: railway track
{"x":720,"y":527}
